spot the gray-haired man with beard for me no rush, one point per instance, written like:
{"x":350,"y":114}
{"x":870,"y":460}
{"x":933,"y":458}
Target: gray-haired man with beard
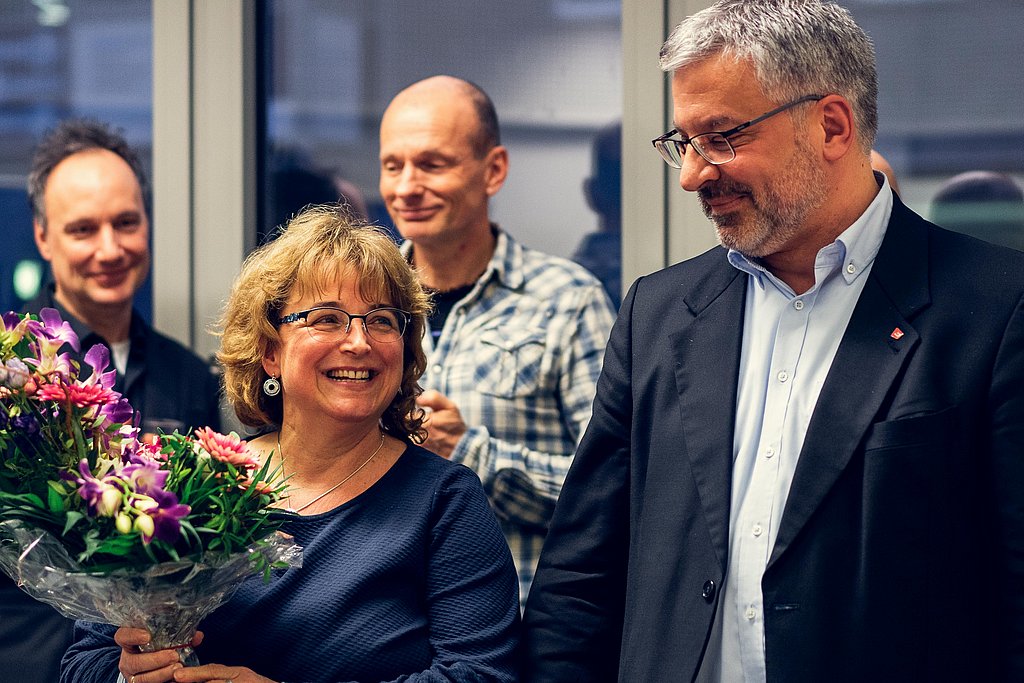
{"x":806,"y":460}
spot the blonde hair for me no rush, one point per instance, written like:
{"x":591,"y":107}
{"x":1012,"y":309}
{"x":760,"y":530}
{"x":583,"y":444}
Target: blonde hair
{"x":316,"y":248}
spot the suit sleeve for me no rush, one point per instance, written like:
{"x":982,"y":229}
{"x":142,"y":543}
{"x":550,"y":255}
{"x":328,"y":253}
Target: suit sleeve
{"x":1007,"y":429}
{"x":573,"y":620}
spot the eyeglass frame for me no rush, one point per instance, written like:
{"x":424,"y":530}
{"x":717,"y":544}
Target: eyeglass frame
{"x":295,"y":317}
{"x":725,"y":134}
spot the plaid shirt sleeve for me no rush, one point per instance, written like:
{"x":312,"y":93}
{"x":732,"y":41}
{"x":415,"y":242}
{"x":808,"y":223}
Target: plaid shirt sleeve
{"x":524,"y":475}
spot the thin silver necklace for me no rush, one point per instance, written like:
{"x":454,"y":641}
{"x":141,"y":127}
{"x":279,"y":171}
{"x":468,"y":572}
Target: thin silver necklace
{"x":341,"y":483}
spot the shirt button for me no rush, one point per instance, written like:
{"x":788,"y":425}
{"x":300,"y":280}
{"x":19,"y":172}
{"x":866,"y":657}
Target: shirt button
{"x":783,"y":376}
{"x":436,"y":369}
{"x":850,"y":268}
{"x":798,"y":304}
{"x":769,"y":452}
{"x":750,"y":613}
{"x":757,"y":530}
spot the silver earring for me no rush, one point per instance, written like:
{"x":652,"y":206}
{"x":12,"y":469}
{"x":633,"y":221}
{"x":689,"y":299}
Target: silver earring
{"x":271,"y":386}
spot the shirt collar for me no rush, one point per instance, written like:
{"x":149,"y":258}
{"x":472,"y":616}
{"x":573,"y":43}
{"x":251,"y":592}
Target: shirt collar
{"x":136,"y":330}
{"x":506,"y":264}
{"x":855,"y":248}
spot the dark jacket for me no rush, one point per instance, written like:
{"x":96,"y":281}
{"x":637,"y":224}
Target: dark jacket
{"x":900,"y":554}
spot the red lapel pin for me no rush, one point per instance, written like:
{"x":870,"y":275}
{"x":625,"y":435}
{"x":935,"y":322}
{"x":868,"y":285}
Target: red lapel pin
{"x":896,"y":333}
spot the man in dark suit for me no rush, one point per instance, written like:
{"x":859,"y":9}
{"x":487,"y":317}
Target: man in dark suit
{"x":806,"y":460}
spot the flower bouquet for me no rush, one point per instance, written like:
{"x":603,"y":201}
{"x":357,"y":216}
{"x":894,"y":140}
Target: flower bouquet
{"x":105,"y":527}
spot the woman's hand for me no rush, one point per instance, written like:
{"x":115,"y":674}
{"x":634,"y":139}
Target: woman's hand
{"x":218,"y":672}
{"x":146,"y":667}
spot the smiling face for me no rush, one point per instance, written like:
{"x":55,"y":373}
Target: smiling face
{"x":350,"y":381}
{"x":433,"y":180}
{"x":96,"y":236}
{"x":761,"y":201}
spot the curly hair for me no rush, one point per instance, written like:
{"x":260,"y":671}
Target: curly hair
{"x":315,"y":249}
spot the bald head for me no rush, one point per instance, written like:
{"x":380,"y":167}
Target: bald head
{"x":456,"y":94}
{"x":879,"y":164}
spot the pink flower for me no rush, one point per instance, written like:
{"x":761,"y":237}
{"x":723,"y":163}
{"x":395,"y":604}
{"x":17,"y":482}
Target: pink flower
{"x":80,"y":395}
{"x":226,"y":448}
{"x":148,"y":448}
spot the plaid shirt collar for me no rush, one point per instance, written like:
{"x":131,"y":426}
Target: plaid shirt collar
{"x":505,"y":266}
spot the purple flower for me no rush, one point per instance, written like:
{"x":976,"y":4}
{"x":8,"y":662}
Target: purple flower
{"x":159,"y":515}
{"x":28,"y":424}
{"x":98,"y":358}
{"x":119,"y":411}
{"x":167,"y":516}
{"x":16,"y":327}
{"x":48,"y":362}
{"x":15,"y":373}
{"x":11,"y":320}
{"x":146,"y":477}
{"x":56,"y":328}
{"x":101,"y":497}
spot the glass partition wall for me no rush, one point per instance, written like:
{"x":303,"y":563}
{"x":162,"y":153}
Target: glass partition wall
{"x":552,"y":67}
{"x":61,"y":59}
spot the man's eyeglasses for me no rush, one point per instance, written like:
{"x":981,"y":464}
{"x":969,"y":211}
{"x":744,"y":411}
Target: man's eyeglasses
{"x":714,"y":146}
{"x":331,"y":324}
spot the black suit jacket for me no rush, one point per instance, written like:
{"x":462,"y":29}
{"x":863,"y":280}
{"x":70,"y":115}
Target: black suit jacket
{"x":900,"y":554}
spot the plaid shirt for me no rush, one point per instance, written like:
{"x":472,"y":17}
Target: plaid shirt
{"x":520,"y":356}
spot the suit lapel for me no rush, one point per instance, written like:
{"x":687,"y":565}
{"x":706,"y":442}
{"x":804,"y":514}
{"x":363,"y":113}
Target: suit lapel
{"x":876,"y":345}
{"x":707,"y":352}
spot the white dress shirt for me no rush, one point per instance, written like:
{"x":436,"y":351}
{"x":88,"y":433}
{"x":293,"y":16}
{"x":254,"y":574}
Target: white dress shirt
{"x":789,"y":343}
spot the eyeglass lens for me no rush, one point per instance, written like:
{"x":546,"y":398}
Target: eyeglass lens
{"x":331,"y":324}
{"x":712,"y":146}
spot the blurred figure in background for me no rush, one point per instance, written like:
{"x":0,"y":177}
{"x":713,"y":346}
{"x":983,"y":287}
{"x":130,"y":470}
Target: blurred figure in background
{"x":516,"y":338}
{"x":90,"y":207}
{"x":983,"y":204}
{"x":295,"y":183}
{"x":879,"y":163}
{"x":600,"y":252}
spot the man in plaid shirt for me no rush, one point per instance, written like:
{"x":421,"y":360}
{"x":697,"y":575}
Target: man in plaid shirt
{"x":517,"y":338}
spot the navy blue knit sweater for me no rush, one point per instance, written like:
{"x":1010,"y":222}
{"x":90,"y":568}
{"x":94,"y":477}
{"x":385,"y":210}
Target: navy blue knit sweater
{"x":410,"y":581}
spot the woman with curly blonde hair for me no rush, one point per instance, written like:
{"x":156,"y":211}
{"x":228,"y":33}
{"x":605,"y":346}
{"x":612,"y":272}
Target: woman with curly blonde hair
{"x":406,"y":574}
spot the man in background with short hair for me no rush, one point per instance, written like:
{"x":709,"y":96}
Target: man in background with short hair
{"x":517,"y":337}
{"x":89,"y":200}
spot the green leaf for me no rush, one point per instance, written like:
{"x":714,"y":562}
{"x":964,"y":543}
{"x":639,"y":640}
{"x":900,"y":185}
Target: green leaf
{"x":70,"y":520}
{"x":54,"y":500}
{"x":119,"y":545}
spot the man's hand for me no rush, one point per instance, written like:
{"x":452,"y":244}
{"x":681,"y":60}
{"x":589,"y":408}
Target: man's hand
{"x":444,"y":423}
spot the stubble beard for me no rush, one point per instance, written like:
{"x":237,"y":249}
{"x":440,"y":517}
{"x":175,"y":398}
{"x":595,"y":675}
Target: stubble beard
{"x":779,"y":211}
